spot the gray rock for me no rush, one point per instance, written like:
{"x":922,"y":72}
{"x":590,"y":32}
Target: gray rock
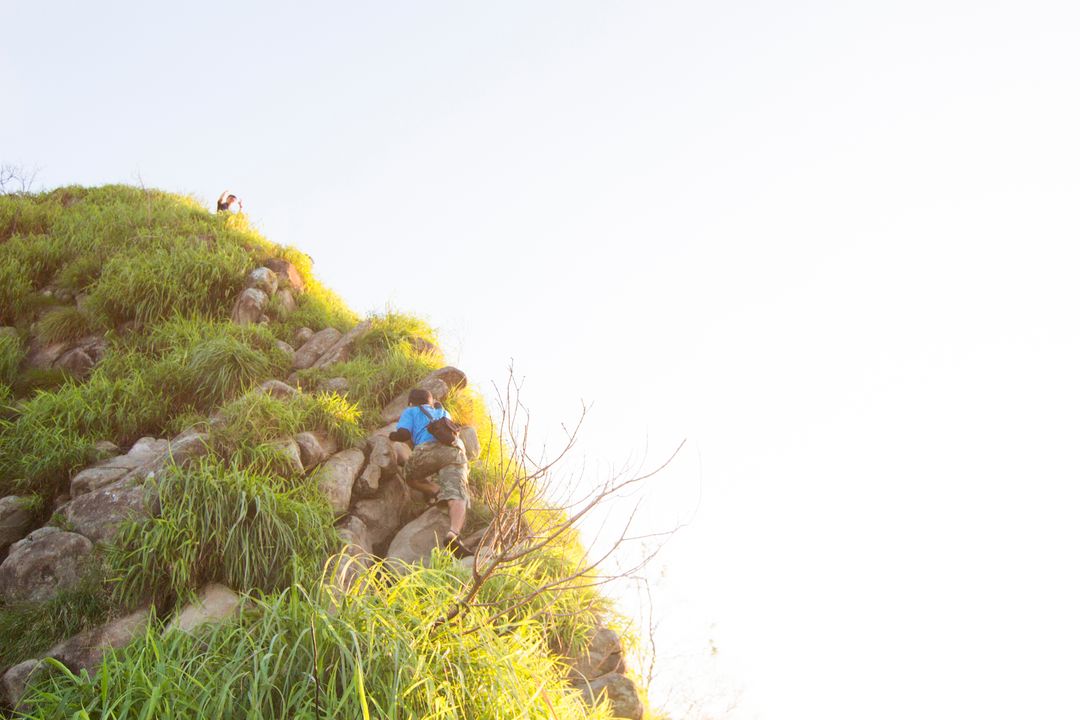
{"x":338,"y":385}
{"x":263,"y":279}
{"x":603,"y":655}
{"x":86,"y":650}
{"x":13,"y":684}
{"x":342,"y":350}
{"x":355,"y":555}
{"x":472,"y":442}
{"x":382,"y":515}
{"x":315,"y":447}
{"x":287,"y":273}
{"x":15,"y":521}
{"x":439,"y":383}
{"x":250,"y":306}
{"x":74,"y":356}
{"x":288,"y":302}
{"x":98,"y":513}
{"x":106,"y":449}
{"x":76,"y":361}
{"x":315,"y":347}
{"x":214,"y":603}
{"x":278,"y":389}
{"x":43,"y":563}
{"x":303,"y":335}
{"x":96,"y":477}
{"x":381,"y":465}
{"x":181,"y":450}
{"x":336,"y":477}
{"x":414,"y":542}
{"x":424,"y":346}
{"x":285,"y":348}
{"x":625,"y":702}
{"x":290,"y":463}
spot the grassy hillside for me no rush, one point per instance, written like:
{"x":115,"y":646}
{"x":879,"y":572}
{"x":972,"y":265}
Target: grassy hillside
{"x":154,"y":275}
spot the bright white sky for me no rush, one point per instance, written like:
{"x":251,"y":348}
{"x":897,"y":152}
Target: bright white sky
{"x":831,"y":243}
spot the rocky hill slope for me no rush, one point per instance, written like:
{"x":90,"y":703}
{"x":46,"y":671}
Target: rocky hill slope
{"x":202,"y":514}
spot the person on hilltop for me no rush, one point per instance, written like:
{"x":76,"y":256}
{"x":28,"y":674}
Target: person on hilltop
{"x":430,"y":457}
{"x":226,"y":200}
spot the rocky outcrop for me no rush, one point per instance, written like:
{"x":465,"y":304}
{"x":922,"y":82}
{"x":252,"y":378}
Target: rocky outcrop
{"x":97,"y":514}
{"x":381,"y":464}
{"x":439,"y":383}
{"x":214,"y":603}
{"x":336,"y":476}
{"x":77,"y":357}
{"x":15,"y":520}
{"x":302,"y":336}
{"x":343,"y":348}
{"x":289,"y":462}
{"x":287,"y":274}
{"x":86,"y":650}
{"x":603,"y":655}
{"x":146,"y":457}
{"x":278,"y":389}
{"x":414,"y":542}
{"x":383,"y":514}
{"x":315,"y":347}
{"x":42,"y":564}
{"x":263,"y":279}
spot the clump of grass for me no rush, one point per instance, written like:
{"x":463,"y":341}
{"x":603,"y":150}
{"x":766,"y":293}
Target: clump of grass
{"x":15,"y":290}
{"x":28,"y":629}
{"x":300,"y":655}
{"x":67,"y":323}
{"x":221,"y":522}
{"x":11,"y":356}
{"x":80,"y":273}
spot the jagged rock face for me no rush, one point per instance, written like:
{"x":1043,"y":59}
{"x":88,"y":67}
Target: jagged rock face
{"x":625,"y":702}
{"x":287,"y":273}
{"x":381,"y":464}
{"x":336,"y":477}
{"x":439,"y":383}
{"x":214,"y":603}
{"x":414,"y":542}
{"x":85,"y":650}
{"x":315,"y":348}
{"x":15,"y":521}
{"x":382,"y":514}
{"x":250,"y":306}
{"x":315,"y":447}
{"x":342,"y":349}
{"x":42,"y":564}
{"x":98,"y":514}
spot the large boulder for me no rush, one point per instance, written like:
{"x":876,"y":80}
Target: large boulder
{"x":98,"y":514}
{"x":287,"y":273}
{"x":603,"y":655}
{"x":250,"y":306}
{"x":382,"y":515}
{"x":181,"y":450}
{"x":16,"y":520}
{"x":336,"y":477}
{"x":214,"y":603}
{"x":42,"y":564}
{"x":315,"y":447}
{"x":315,"y":347}
{"x":86,"y":650}
{"x":74,"y":356}
{"x":263,"y":278}
{"x":289,"y":462}
{"x":414,"y":542}
{"x":143,"y":452}
{"x":355,"y":555}
{"x":625,"y":702}
{"x":287,"y":299}
{"x":13,"y":683}
{"x":342,"y":350}
{"x":439,"y":383}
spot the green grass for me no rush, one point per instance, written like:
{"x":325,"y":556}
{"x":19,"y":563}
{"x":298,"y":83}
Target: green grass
{"x":221,"y":522}
{"x":11,"y":355}
{"x":32,"y":628}
{"x":67,"y":323}
{"x":372,"y":654}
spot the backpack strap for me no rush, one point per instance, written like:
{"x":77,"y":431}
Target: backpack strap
{"x":431,"y":419}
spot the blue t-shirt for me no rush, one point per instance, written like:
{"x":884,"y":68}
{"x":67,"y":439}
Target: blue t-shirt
{"x":414,"y":420}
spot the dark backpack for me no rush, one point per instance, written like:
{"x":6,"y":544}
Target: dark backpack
{"x":444,"y":429}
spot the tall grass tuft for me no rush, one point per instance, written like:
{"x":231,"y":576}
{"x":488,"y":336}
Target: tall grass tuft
{"x":221,"y":522}
{"x":67,"y":323}
{"x":31,"y":628}
{"x":371,"y":654}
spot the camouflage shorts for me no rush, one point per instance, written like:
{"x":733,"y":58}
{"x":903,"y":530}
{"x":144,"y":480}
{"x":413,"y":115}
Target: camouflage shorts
{"x":447,"y":463}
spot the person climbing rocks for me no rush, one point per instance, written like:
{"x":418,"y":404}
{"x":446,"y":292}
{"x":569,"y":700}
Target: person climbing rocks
{"x":225,"y":202}
{"x":447,"y":463}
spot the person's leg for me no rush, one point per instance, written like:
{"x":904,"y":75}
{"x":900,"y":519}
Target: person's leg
{"x":418,"y":468}
{"x":457,"y":515}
